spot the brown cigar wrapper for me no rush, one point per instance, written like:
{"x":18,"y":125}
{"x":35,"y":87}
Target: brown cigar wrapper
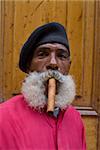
{"x":51,"y":95}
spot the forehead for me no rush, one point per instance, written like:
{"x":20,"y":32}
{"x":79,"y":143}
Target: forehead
{"x":52,"y":46}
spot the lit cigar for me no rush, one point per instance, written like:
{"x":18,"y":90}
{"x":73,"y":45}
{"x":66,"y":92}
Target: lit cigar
{"x":51,"y":95}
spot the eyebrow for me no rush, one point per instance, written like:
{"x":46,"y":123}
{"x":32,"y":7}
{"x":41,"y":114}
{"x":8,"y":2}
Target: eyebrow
{"x":44,"y":48}
{"x":63,"y":50}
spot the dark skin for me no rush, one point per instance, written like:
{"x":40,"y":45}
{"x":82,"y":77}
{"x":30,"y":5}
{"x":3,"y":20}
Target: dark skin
{"x":53,"y":56}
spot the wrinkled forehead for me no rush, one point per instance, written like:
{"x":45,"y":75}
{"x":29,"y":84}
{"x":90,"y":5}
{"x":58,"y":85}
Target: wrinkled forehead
{"x":52,"y":45}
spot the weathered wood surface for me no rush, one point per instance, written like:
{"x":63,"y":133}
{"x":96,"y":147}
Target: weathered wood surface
{"x":22,"y":17}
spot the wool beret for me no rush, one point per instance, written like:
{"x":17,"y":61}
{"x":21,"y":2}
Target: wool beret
{"x":48,"y":33}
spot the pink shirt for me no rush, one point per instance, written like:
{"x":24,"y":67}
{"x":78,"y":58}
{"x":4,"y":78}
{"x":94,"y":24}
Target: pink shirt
{"x":22,"y":128}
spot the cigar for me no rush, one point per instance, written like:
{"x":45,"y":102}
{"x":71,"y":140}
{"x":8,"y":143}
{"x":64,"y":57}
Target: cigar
{"x":51,"y":95}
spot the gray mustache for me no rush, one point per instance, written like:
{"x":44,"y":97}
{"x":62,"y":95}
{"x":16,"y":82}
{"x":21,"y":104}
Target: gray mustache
{"x":52,"y":74}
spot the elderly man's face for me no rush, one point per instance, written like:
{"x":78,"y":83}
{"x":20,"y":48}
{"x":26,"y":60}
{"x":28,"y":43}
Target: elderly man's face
{"x":51,"y":56}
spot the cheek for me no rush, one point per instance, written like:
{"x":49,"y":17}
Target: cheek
{"x":64,"y":67}
{"x":37,"y":65}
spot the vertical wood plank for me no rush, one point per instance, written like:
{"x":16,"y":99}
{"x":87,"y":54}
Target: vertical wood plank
{"x":74,"y":26}
{"x":88,"y":46}
{"x":8,"y":48}
{"x":96,"y":68}
{"x":96,"y":63}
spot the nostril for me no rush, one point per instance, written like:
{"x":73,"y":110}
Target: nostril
{"x":48,"y":67}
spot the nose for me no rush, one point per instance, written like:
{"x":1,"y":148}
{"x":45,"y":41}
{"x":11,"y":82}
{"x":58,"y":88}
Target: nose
{"x":52,"y":63}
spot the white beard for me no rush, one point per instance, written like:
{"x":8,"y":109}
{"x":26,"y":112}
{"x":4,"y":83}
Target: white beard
{"x":33,"y":89}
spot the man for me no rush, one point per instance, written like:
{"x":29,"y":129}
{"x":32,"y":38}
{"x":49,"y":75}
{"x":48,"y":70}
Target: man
{"x":25,"y":123}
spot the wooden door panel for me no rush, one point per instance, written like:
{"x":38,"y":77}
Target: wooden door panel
{"x":79,"y":31}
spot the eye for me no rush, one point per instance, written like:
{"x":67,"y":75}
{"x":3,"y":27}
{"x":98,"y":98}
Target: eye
{"x":42,"y":54}
{"x":63,"y":56}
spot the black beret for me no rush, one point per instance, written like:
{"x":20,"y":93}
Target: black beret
{"x":49,"y":33}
